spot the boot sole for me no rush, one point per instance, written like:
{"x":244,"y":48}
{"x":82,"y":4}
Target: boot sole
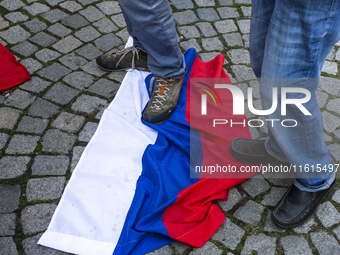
{"x":123,"y":69}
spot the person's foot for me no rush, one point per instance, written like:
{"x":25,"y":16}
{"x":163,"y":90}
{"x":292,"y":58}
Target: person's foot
{"x":163,"y":100}
{"x":297,"y":206}
{"x":129,"y":58}
{"x":252,"y":152}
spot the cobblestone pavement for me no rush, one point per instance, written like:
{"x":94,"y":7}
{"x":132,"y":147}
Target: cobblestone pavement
{"x":46,"y":122}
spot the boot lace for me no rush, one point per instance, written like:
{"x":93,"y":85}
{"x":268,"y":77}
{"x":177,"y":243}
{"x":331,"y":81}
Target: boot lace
{"x":159,"y":100}
{"x":123,"y":52}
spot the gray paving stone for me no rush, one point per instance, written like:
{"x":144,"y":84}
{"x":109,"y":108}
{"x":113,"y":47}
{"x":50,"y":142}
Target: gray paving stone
{"x":192,"y":43}
{"x":206,"y":29}
{"x":32,"y":125}
{"x":330,"y":67}
{"x":274,"y":196}
{"x":56,"y":141}
{"x":211,"y":55}
{"x":87,"y":34}
{"x":35,"y":218}
{"x":104,"y":88}
{"x":119,"y":20}
{"x":10,"y":195}
{"x":2,"y":99}
{"x":45,"y":188}
{"x":335,"y":151}
{"x":15,"y":34}
{"x":261,"y":243}
{"x":37,"y":8}
{"x":228,"y":12}
{"x":229,"y":234}
{"x":185,"y":17}
{"x":77,"y":152}
{"x":43,"y":39}
{"x":306,"y":227}
{"x":212,"y":43}
{"x":107,"y":42}
{"x":11,"y":167}
{"x":322,"y":98}
{"x":53,"y":2}
{"x":47,"y":55}
{"x":61,"y":94}
{"x":22,"y":144}
{"x":72,"y":61}
{"x":43,"y":108}
{"x":8,"y":117}
{"x":246,"y":11}
{"x":336,"y":196}
{"x":243,"y":73}
{"x":12,"y":5}
{"x":31,"y":65}
{"x":16,"y":17}
{"x":105,"y":25}
{"x":101,"y":112}
{"x":54,"y":72}
{"x":239,"y":56}
{"x":330,"y":121}
{"x":109,"y":8}
{"x":337,"y":232}
{"x":50,"y":165}
{"x":31,"y":247}
{"x":326,"y":244}
{"x":233,"y":39}
{"x":7,"y":224}
{"x":242,"y":1}
{"x":67,"y":44}
{"x":54,"y":15}
{"x":117,"y":76}
{"x":233,"y":198}
{"x":330,"y":85}
{"x":7,"y":245}
{"x":89,"y":51}
{"x":207,"y":248}
{"x":293,"y":245}
{"x":25,"y":48}
{"x":35,"y":25}
{"x":75,"y":21}
{"x":327,"y":138}
{"x":183,"y":4}
{"x":3,"y":23}
{"x":165,"y":250}
{"x":59,"y":30}
{"x":270,"y":226}
{"x":255,"y":186}
{"x":255,"y":85}
{"x":88,"y":104}
{"x":35,"y":84}
{"x":246,"y":40}
{"x":20,"y":99}
{"x":250,"y":213}
{"x":208,"y":14}
{"x":180,"y":247}
{"x":86,"y":2}
{"x":204,"y":3}
{"x":124,"y":35}
{"x":91,"y":13}
{"x":88,"y":131}
{"x":68,"y":122}
{"x":92,"y":68}
{"x":189,"y":32}
{"x":79,"y":80}
{"x":337,"y":55}
{"x":3,"y":139}
{"x":244,"y":26}
{"x":334,"y":105}
{"x":71,"y":6}
{"x":328,"y":214}
{"x":225,"y":26}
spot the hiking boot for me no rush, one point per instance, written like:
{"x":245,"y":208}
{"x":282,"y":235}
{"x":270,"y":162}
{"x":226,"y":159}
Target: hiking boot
{"x":129,"y":58}
{"x":163,"y":100}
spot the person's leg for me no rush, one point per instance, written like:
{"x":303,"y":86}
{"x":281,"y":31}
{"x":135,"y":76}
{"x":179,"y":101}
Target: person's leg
{"x":152,"y":24}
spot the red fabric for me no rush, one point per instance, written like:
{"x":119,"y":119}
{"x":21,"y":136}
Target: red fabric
{"x":193,"y":218}
{"x":12,"y":73}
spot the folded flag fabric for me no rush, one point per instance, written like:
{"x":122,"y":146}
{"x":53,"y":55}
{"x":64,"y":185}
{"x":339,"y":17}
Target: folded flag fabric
{"x":136,"y":187}
{"x":12,"y":73}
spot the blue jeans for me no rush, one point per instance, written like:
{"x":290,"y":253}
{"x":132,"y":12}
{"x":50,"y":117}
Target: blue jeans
{"x":152,"y":26}
{"x":289,"y":41}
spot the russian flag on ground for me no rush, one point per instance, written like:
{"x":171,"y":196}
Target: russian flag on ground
{"x":136,"y":187}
